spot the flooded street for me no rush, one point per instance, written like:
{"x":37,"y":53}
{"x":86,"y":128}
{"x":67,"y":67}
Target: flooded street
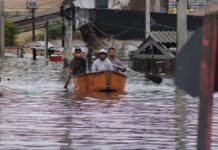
{"x":37,"y":113}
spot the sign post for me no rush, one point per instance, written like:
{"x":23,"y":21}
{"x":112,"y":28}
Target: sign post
{"x":32,"y":5}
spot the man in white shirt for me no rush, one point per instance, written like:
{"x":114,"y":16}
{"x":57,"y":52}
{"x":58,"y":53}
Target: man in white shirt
{"x":102,"y":63}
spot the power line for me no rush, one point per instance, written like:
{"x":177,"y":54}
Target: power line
{"x":148,"y":8}
{"x":92,"y":30}
{"x":135,"y":28}
{"x":128,"y":28}
{"x":112,"y":35}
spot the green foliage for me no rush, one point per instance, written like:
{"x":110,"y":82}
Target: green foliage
{"x":40,"y":35}
{"x":54,"y":31}
{"x":11,"y":30}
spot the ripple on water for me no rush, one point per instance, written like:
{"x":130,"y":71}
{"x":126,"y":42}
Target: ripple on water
{"x":36,"y":113}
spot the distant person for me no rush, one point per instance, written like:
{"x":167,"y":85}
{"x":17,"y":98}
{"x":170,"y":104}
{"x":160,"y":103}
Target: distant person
{"x":34,"y":53}
{"x":102,"y":63}
{"x":115,"y":61}
{"x":78,"y":63}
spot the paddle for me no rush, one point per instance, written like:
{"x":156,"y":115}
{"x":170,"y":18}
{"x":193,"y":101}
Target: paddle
{"x":66,"y":84}
{"x":151,"y":77}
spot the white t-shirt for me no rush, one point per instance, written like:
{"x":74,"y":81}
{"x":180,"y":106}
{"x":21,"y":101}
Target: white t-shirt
{"x":99,"y":65}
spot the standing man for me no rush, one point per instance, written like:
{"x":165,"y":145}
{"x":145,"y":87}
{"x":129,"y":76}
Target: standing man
{"x":115,"y":61}
{"x":34,"y":53}
{"x":102,"y":63}
{"x":77,"y":64}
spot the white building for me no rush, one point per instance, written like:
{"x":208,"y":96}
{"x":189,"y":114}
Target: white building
{"x":85,"y":3}
{"x":193,"y":4}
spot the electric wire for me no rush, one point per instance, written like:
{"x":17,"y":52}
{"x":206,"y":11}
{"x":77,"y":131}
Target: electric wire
{"x":113,"y":35}
{"x":125,"y":31}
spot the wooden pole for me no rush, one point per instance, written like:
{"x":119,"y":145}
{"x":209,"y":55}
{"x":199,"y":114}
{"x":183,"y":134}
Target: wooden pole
{"x":181,"y":24}
{"x":2,"y":29}
{"x":68,"y":36}
{"x":181,"y":40}
{"x":147,"y":18}
{"x":207,"y":81}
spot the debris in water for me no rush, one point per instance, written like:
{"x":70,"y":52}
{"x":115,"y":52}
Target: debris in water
{"x":31,"y":93}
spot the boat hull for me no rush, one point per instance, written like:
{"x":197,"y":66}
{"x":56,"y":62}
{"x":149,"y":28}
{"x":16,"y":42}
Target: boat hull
{"x":100,"y":81}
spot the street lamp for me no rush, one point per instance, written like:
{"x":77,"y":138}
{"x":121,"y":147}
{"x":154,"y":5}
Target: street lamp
{"x":32,"y":5}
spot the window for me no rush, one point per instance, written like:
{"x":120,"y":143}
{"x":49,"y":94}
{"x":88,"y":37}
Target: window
{"x":102,"y":3}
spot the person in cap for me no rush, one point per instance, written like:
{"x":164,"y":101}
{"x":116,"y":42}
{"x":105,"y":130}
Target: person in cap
{"x":78,"y":63}
{"x":115,"y":61}
{"x":102,"y":63}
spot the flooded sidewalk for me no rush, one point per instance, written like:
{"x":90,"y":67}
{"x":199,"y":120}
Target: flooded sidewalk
{"x":37,"y":113}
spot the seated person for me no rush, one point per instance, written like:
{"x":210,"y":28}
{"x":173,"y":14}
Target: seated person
{"x":118,"y":66}
{"x":102,"y":63}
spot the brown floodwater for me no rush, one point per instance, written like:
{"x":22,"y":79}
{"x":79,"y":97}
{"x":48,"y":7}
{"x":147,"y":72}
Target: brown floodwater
{"x":37,"y":113}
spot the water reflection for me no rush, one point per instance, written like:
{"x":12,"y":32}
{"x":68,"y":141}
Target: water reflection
{"x":180,"y":110}
{"x":98,"y":95}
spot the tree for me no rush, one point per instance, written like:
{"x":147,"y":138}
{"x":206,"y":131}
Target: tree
{"x":11,"y":30}
{"x":54,"y":31}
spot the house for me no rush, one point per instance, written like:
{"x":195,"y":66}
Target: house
{"x":157,"y":53}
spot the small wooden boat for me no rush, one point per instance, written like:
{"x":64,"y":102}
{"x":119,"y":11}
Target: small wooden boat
{"x":100,"y":81}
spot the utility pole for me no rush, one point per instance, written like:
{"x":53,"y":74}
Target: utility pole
{"x":68,"y":18}
{"x":32,"y":5}
{"x":147,"y":18}
{"x":181,"y":40}
{"x":181,"y":24}
{"x":33,"y":32}
{"x":2,"y":29}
